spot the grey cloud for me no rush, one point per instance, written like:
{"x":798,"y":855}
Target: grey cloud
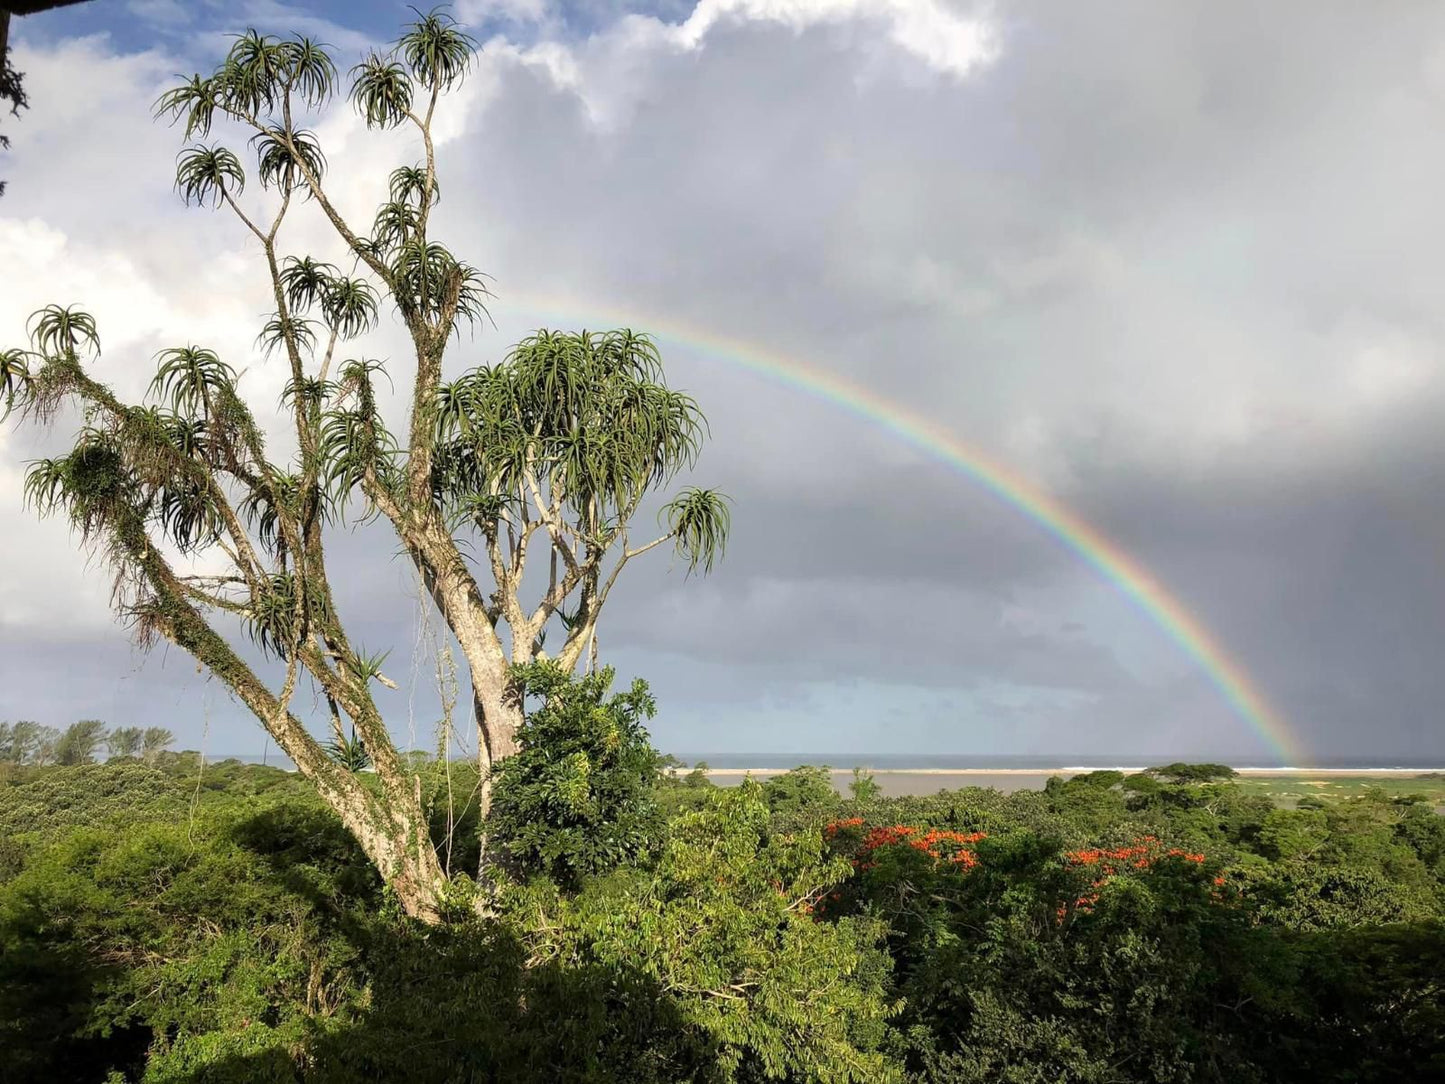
{"x":1178,"y":263}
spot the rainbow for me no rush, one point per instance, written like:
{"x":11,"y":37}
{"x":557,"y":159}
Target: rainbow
{"x":1131,"y":578}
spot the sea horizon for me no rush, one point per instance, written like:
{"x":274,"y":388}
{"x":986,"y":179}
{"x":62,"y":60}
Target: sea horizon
{"x":976,"y":762}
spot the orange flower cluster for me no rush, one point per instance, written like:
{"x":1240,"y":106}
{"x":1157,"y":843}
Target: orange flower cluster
{"x":837,"y":826}
{"x":1141,"y":855}
{"x":1144,"y":853}
{"x":940,"y":844}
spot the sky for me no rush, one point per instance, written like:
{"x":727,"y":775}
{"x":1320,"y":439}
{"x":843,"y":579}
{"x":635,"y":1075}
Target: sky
{"x":1176,"y":265}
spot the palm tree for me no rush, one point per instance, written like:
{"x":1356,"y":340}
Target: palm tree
{"x":554,"y":447}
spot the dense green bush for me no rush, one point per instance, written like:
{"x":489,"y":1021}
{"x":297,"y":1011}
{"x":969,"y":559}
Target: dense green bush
{"x":580,"y":797}
{"x":181,"y":923}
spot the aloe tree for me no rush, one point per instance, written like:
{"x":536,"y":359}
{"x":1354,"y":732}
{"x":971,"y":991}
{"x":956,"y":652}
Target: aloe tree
{"x":555,"y":447}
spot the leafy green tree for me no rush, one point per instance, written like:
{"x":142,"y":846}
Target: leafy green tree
{"x":725,"y":922}
{"x":805,"y":788}
{"x":557,"y":446}
{"x":581,"y":796}
{"x":698,"y":777}
{"x":80,"y":741}
{"x":1180,"y":772}
{"x":123,"y":742}
{"x":20,"y":741}
{"x":155,"y":741}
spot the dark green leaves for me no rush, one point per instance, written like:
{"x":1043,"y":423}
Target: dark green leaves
{"x":207,"y":174}
{"x":61,"y":332}
{"x":14,"y":379}
{"x":437,"y":53}
{"x":588,"y":411}
{"x":408,"y":185}
{"x":381,"y":92}
{"x":189,"y":378}
{"x":288,"y":160}
{"x":699,"y":520}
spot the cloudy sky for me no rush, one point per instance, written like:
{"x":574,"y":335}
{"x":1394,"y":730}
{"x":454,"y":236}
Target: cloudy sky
{"x":1179,"y":265}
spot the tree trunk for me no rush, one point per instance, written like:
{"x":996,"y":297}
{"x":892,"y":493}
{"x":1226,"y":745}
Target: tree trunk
{"x":498,"y":715}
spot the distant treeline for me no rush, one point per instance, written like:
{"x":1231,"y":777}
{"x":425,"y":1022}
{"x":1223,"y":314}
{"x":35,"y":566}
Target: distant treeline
{"x":82,"y":742}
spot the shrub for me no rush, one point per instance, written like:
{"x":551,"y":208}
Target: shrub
{"x":581,"y":796}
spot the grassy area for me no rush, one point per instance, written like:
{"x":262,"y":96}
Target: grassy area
{"x":1287,"y":790}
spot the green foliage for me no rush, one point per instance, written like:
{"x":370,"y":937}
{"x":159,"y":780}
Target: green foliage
{"x":580,"y":797}
{"x":155,"y":741}
{"x":724,"y":922}
{"x":50,"y":800}
{"x":807,"y":789}
{"x":124,"y":741}
{"x":79,"y":742}
{"x":180,"y":923}
{"x":1180,"y":772}
{"x":864,"y":787}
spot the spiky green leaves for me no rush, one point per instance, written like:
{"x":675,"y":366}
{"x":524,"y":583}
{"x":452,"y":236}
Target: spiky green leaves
{"x":208,"y":174}
{"x":349,"y":306}
{"x":355,"y":444}
{"x":381,"y":91}
{"x":259,"y":75}
{"x":587,"y":412}
{"x":15,"y":380}
{"x":408,"y":185}
{"x":437,"y":53}
{"x":699,"y":521}
{"x":189,"y":378}
{"x":271,"y":620}
{"x":58,"y":332}
{"x":288,"y":159}
{"x":255,"y":74}
{"x":428,"y":281}
{"x":434,"y":54}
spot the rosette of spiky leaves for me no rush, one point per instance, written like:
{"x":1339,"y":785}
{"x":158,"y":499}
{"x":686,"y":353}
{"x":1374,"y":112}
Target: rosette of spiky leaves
{"x":437,"y":53}
{"x":427,"y":280}
{"x":699,"y":521}
{"x":189,"y":379}
{"x":251,"y":80}
{"x":91,"y":483}
{"x":381,"y":91}
{"x":355,"y":444}
{"x":15,"y":380}
{"x":288,"y":160}
{"x":271,"y":618}
{"x":193,"y":383}
{"x":304,"y":282}
{"x":58,"y":331}
{"x":208,"y":174}
{"x":350,"y":753}
{"x":264,"y":505}
{"x":408,"y":186}
{"x":349,"y":306}
{"x":280,"y":330}
{"x":587,"y":414}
